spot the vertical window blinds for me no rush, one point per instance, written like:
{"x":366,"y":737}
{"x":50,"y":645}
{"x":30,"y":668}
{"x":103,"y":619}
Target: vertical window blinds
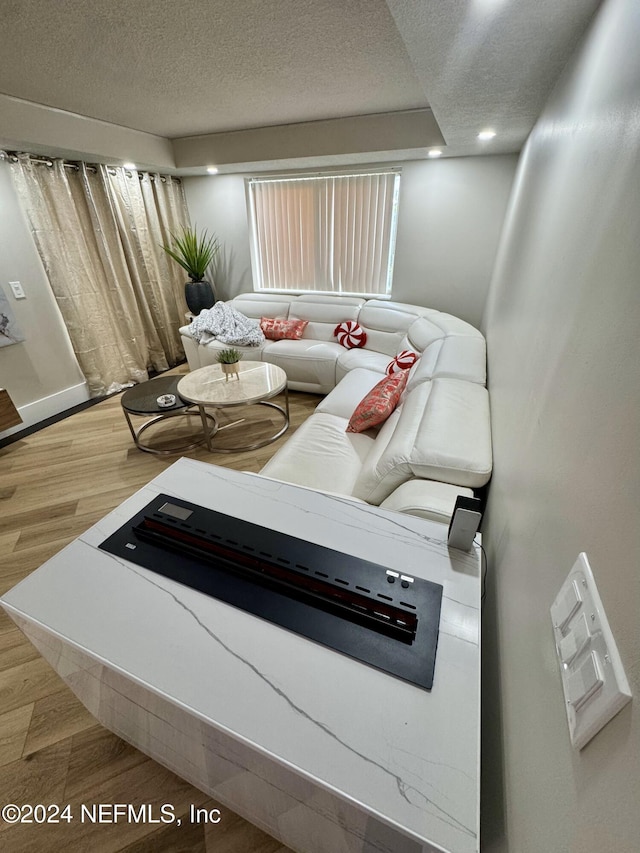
{"x":332,"y":233}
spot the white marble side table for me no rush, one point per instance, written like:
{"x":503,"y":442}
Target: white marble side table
{"x":325,"y":753}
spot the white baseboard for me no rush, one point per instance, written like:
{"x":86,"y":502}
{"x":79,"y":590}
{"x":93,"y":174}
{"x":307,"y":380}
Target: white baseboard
{"x":46,"y":407}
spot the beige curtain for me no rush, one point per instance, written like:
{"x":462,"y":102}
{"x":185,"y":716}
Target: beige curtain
{"x":331,"y":233}
{"x":147,"y":210}
{"x":98,"y":231}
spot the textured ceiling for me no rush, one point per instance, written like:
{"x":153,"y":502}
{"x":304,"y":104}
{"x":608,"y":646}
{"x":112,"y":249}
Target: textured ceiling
{"x":489,"y":63}
{"x":195,"y":67}
{"x":186,"y":68}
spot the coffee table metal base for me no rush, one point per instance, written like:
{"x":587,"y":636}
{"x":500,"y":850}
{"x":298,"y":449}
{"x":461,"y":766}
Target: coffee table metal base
{"x":159,"y":451}
{"x":258,"y":383}
{"x":210,"y":433}
{"x":142,"y":401}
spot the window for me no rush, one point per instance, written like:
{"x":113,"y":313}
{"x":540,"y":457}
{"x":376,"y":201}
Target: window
{"x":329,"y":233}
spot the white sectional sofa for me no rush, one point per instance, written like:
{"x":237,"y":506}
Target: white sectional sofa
{"x":436,"y":444}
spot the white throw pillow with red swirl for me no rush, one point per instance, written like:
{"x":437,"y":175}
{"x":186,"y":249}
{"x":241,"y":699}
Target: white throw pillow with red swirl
{"x":350,"y":334}
{"x":403,"y":361}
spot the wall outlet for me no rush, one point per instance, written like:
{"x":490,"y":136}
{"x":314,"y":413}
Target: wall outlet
{"x":17,"y":290}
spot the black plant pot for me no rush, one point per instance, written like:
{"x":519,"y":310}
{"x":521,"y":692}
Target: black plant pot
{"x":199,"y":295}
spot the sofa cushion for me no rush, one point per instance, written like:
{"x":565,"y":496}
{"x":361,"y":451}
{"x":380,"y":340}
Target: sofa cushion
{"x":308,"y":363}
{"x":348,"y":392}
{"x":279,"y":329}
{"x":424,"y":368}
{"x":376,"y":406}
{"x":463,"y":357}
{"x":421,"y":334}
{"x":258,"y":305}
{"x":355,"y":359}
{"x":404,"y":312}
{"x":426,"y":499}
{"x":324,"y":313}
{"x":451,"y":325}
{"x":443,"y":433}
{"x":321,"y":454}
{"x":386,"y":324}
{"x":367,"y":480}
{"x":453,"y":357}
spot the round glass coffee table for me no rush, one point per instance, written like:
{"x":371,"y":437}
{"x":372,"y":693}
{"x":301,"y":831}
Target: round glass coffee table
{"x":142,"y":400}
{"x":256,"y":383}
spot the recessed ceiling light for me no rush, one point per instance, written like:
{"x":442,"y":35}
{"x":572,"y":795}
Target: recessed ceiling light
{"x":128,"y":165}
{"x":212,"y":170}
{"x":485,"y":135}
{"x":435,"y":152}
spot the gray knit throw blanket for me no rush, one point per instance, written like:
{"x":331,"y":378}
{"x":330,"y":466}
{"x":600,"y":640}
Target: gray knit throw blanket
{"x":226,"y":324}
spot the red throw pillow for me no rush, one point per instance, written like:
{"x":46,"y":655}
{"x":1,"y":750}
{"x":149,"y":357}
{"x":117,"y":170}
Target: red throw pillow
{"x":403,"y":361}
{"x":350,"y":334}
{"x":278,"y":329}
{"x":379,"y":403}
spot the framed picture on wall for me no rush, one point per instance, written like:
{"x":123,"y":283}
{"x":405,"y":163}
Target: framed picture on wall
{"x":9,"y":330}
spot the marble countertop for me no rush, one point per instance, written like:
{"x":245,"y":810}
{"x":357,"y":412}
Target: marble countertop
{"x":209,"y":386}
{"x":408,"y":756}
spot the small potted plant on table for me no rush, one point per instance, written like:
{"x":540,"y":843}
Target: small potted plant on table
{"x":228,"y":360}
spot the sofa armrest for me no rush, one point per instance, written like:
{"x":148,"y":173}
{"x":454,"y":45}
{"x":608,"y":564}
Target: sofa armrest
{"x":191,"y":348}
{"x":426,"y":499}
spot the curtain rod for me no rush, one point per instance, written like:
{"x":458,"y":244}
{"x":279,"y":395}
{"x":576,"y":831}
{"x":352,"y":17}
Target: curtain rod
{"x":43,"y":160}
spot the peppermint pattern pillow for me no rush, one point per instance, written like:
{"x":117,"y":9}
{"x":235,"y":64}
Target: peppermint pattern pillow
{"x":403,"y":361}
{"x":350,"y":334}
{"x":279,"y":329}
{"x":379,"y":403}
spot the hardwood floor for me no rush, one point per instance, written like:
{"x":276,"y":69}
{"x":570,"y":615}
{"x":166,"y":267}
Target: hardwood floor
{"x":55,"y":484}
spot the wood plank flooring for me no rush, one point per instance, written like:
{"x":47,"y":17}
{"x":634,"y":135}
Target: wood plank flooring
{"x":55,"y":484}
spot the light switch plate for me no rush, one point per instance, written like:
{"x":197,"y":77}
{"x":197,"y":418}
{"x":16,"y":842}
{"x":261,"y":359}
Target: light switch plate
{"x":585,"y":682}
{"x":17,"y":290}
{"x":575,"y":641}
{"x":593,"y":679}
{"x":566,"y":605}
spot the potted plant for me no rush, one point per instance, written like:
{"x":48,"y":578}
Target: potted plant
{"x":194,"y":254}
{"x":228,"y":360}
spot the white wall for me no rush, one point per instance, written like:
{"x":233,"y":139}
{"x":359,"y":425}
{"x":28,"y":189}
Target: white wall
{"x":41,"y":374}
{"x":449,"y":221}
{"x":562,"y":325}
{"x":218,"y":204}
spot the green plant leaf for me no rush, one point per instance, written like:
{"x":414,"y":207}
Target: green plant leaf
{"x":194,"y":253}
{"x":229,"y":356}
